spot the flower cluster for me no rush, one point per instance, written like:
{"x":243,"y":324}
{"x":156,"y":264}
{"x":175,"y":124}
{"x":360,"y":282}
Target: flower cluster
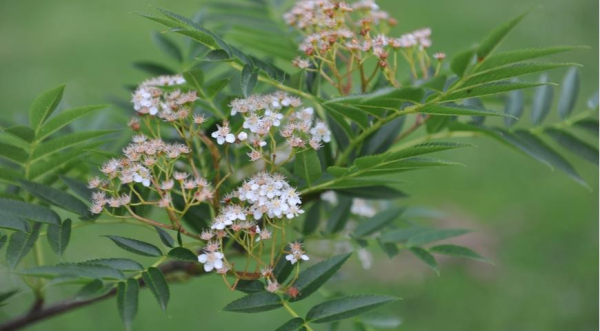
{"x":145,"y":163}
{"x":262,"y":113}
{"x":157,"y":97}
{"x":338,"y":31}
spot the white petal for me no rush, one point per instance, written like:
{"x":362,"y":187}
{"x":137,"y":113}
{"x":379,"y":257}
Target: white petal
{"x":218,"y":264}
{"x":202,"y":258}
{"x":230,"y":138}
{"x":305,"y":257}
{"x":208,"y":267}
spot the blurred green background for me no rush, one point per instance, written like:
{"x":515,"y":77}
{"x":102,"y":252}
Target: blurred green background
{"x":539,"y":227}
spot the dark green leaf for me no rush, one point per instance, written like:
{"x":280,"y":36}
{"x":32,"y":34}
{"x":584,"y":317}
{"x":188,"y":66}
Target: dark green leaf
{"x":217,"y":55}
{"x":127,"y":301}
{"x":91,"y":290}
{"x":339,"y":216}
{"x":312,"y":219}
{"x":24,"y":133}
{"x":3,"y":240}
{"x":316,"y":275}
{"x":136,"y":246}
{"x":308,"y":166}
{"x":29,"y":211}
{"x":56,"y":145}
{"x":295,"y":324}
{"x":283,"y":268}
{"x":568,"y":94}
{"x":78,"y":187}
{"x":12,"y":222}
{"x":346,"y":307}
{"x":13,"y":153}
{"x":44,"y":105}
{"x":491,"y":41}
{"x":255,"y":303}
{"x":402,"y":235}
{"x":551,"y":157}
{"x":59,"y":235}
{"x":457,"y":251}
{"x":509,"y":71}
{"x":57,"y":198}
{"x":250,"y":286}
{"x":194,"y":78}
{"x":432,"y":235}
{"x":461,"y":61}
{"x":155,"y":280}
{"x":248,"y":79}
{"x":490,"y":89}
{"x":20,"y":243}
{"x":183,"y":254}
{"x":451,"y":109}
{"x":505,"y":58}
{"x":427,"y":258}
{"x":5,"y":295}
{"x":79,"y":270}
{"x":590,"y":125}
{"x":542,"y":101}
{"x":574,"y":144}
{"x":152,"y":68}
{"x":165,"y":237}
{"x":372,"y":192}
{"x":117,"y":263}
{"x":377,"y":222}
{"x":64,"y":118}
{"x":215,"y":87}
{"x":168,"y":46}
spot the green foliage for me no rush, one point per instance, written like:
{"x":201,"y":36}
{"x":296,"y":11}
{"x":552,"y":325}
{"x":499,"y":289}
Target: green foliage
{"x":346,"y":307}
{"x":20,"y":243}
{"x":127,"y":301}
{"x":59,"y":235}
{"x":311,"y":279}
{"x":156,"y":282}
{"x":255,"y":303}
{"x":136,"y":246}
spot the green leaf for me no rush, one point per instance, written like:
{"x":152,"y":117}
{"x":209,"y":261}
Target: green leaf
{"x":22,"y":132}
{"x":57,"y":198}
{"x":44,"y":105}
{"x":155,"y":280}
{"x":136,"y":246}
{"x":510,"y":71}
{"x":401,"y":235}
{"x":54,"y":164}
{"x":308,"y":166}
{"x":568,"y":94}
{"x":491,"y":41}
{"x":590,"y":125}
{"x":195,"y":78}
{"x":377,"y":222}
{"x":29,"y":211}
{"x":490,"y":89}
{"x":59,"y":235}
{"x":9,"y":175}
{"x":78,"y":187}
{"x":295,"y":324}
{"x":79,"y":270}
{"x":12,"y":222}
{"x":426,"y":257}
{"x":311,"y":279}
{"x":283,"y":268}
{"x":574,"y":144}
{"x":339,"y":216}
{"x":13,"y":153}
{"x":3,"y":240}
{"x":91,"y":290}
{"x":152,"y":68}
{"x":5,"y":295}
{"x":461,"y":62}
{"x":542,"y":101}
{"x":436,"y":83}
{"x":504,"y":58}
{"x":64,"y":118}
{"x":216,"y":86}
{"x":127,"y":301}
{"x":311,"y":220}
{"x":19,"y":244}
{"x":56,"y":145}
{"x":165,"y":237}
{"x":255,"y":303}
{"x":342,"y":111}
{"x":514,"y":107}
{"x":117,"y":263}
{"x":451,"y":109}
{"x":457,"y":251}
{"x":248,"y":79}
{"x":250,"y":286}
{"x":551,"y":157}
{"x":217,"y":55}
{"x":346,"y":307}
{"x":432,"y":235}
{"x":168,"y":46}
{"x":183,"y":254}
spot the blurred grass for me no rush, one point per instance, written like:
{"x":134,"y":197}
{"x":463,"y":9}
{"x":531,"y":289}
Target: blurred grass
{"x":538,"y":227}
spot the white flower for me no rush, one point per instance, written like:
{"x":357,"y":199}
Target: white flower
{"x":274,"y":117}
{"x":296,"y":253}
{"x":321,"y":132}
{"x":223,"y":134}
{"x":221,"y":222}
{"x":242,"y":136}
{"x":211,"y":261}
{"x":360,"y":207}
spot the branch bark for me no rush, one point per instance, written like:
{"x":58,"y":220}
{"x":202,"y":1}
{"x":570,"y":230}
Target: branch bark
{"x":42,"y":312}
